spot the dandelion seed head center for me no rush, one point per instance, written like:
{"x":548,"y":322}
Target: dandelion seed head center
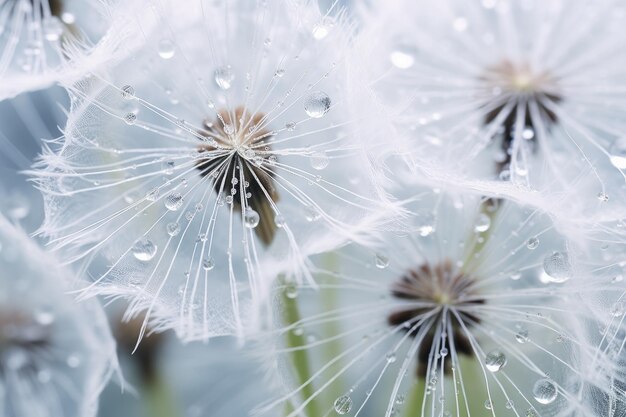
{"x":436,"y":295}
{"x":239,"y":147}
{"x":519,"y":79}
{"x":22,"y":333}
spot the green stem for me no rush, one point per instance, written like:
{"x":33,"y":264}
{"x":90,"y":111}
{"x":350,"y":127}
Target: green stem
{"x":158,"y":398}
{"x":416,"y":398}
{"x":299,"y":357}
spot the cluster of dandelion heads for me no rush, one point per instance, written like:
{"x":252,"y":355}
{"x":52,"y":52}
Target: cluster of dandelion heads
{"x":528,"y":92}
{"x":481,"y":306}
{"x":55,"y":355}
{"x":228,"y":139}
{"x":48,"y":41}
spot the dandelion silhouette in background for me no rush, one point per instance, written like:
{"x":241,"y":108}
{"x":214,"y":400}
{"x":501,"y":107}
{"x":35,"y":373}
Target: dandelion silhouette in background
{"x":48,"y":41}
{"x":228,"y":140}
{"x":520,"y":89}
{"x":56,"y":356}
{"x":480,"y":308}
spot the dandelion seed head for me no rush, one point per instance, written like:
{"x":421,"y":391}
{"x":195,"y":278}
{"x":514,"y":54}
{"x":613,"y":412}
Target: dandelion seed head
{"x":514,"y":92}
{"x":460,"y":320}
{"x":230,"y":140}
{"x":56,"y":356}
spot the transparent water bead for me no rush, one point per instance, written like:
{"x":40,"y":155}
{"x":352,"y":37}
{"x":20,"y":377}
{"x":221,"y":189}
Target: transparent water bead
{"x":532,"y":243}
{"x":618,"y":153}
{"x":381,"y":260}
{"x":495,"y":360}
{"x":403,"y":56}
{"x":251,"y":218}
{"x":173,"y":229}
{"x":317,"y":104}
{"x":208,"y":264}
{"x":544,"y":391}
{"x":224,"y":77}
{"x":130,"y":118}
{"x":482,"y":223}
{"x":174,"y":201}
{"x":557,"y":267}
{"x":128,"y":92}
{"x":52,"y":28}
{"x":144,"y":249}
{"x":166,"y":48}
{"x":343,"y":405}
{"x":319,"y":160}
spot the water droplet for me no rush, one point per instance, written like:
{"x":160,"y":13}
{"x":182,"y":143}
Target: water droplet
{"x":317,"y":104}
{"x":602,"y":196}
{"x":532,"y":243}
{"x":279,"y":220}
{"x":52,"y":28}
{"x":391,"y":357}
{"x":130,"y":118}
{"x":403,"y":56}
{"x":381,"y":261}
{"x":208,"y":264}
{"x":174,"y":201}
{"x":279,"y":72}
{"x":44,"y":317}
{"x":291,"y":290}
{"x":173,"y":228}
{"x":509,"y":404}
{"x":343,"y":404}
{"x":74,"y":360}
{"x":522,"y":336}
{"x":319,"y":160}
{"x":495,"y":360}
{"x":618,"y":153}
{"x":291,"y":126}
{"x":128,"y":92}
{"x":544,"y":391}
{"x":528,"y":133}
{"x":320,"y":31}
{"x":166,"y":48}
{"x":153,"y":194}
{"x":557,"y":267}
{"x":251,"y":218}
{"x":483,"y":222}
{"x":488,"y":404}
{"x":224,"y":77}
{"x":311,"y":213}
{"x":144,"y":249}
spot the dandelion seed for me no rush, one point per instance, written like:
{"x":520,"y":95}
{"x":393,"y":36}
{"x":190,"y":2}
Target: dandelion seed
{"x":246,"y":152}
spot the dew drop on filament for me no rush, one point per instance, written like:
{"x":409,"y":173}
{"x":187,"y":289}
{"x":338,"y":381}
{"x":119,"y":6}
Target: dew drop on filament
{"x":317,"y":104}
{"x":224,"y":77}
{"x":144,"y":249}
{"x":544,"y":391}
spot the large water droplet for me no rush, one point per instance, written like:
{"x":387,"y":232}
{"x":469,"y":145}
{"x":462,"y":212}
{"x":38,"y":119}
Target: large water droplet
{"x":224,"y":77}
{"x":166,"y":48}
{"x":144,"y":249}
{"x":317,"y":104}
{"x":130,"y":118}
{"x":343,"y":404}
{"x":618,"y":153}
{"x":174,"y":201}
{"x":495,"y":360}
{"x":208,"y":264}
{"x":557,"y":267}
{"x":251,"y":218}
{"x":545,"y":391}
